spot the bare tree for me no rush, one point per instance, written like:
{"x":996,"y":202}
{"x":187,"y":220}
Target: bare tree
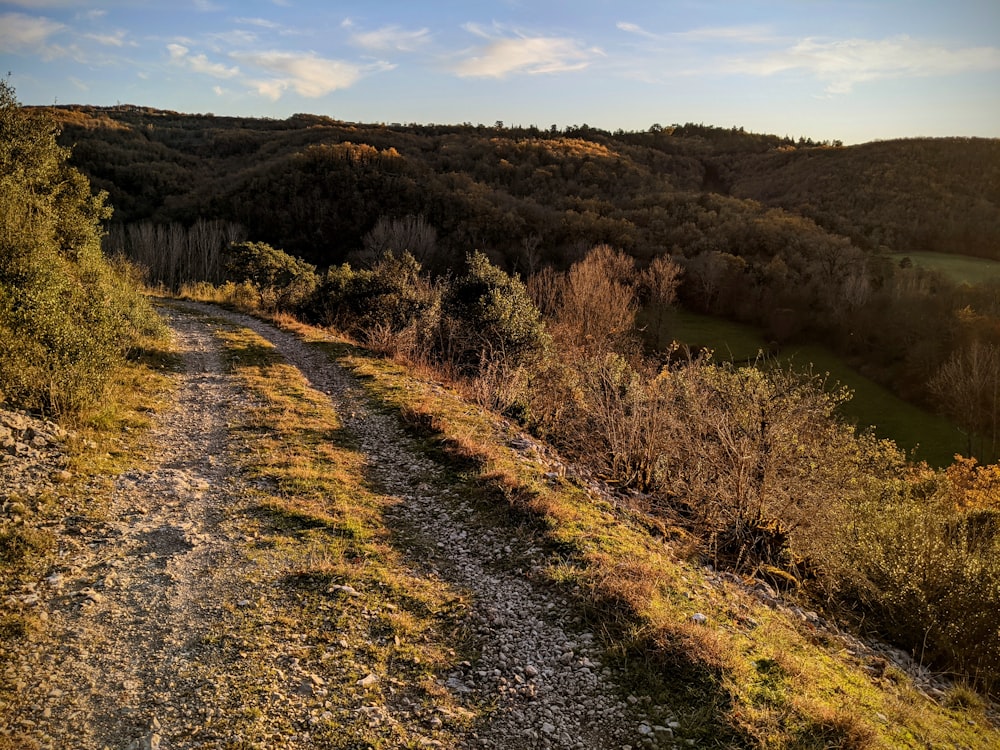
{"x":967,"y":387}
{"x":409,"y":234}
{"x":660,"y":281}
{"x":598,"y":302}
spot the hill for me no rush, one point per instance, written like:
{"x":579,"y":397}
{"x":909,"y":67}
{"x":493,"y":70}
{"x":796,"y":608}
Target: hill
{"x":799,"y":239}
{"x":625,"y":188}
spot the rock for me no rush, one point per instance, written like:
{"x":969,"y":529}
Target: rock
{"x":344,"y":589}
{"x":305,"y":688}
{"x":368,"y":681}
{"x":92,"y":596}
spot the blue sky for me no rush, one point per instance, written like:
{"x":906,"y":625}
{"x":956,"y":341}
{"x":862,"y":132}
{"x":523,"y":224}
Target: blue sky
{"x":851,"y":70}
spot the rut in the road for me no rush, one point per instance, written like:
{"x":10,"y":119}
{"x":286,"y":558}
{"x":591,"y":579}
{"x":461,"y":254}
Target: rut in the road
{"x":132,"y":594}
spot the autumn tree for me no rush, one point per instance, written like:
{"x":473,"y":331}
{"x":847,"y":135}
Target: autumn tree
{"x":598,"y":301}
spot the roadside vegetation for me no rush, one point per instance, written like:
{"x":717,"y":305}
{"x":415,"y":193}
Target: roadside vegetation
{"x":750,"y":470}
{"x":68,"y":316}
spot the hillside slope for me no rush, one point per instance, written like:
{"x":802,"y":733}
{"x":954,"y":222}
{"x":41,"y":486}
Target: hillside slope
{"x":286,"y":567}
{"x":314,"y":186}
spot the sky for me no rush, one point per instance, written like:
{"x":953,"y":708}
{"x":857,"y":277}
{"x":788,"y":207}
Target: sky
{"x":849,"y":70}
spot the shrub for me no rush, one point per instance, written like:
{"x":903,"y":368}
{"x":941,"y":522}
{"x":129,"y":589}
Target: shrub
{"x":489,"y":317}
{"x":284,"y":282}
{"x":392,"y":305}
{"x":68,"y":317}
{"x":929,"y":573}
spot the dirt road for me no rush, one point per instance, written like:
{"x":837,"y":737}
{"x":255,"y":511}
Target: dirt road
{"x":142,"y":646}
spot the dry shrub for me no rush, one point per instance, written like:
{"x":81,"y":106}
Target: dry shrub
{"x":597,"y":302}
{"x":500,"y":386}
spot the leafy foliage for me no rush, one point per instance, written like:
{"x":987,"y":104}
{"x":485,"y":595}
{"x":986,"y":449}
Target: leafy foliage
{"x":67,"y":316}
{"x":392,"y":302}
{"x":491,"y":317}
{"x":284,"y":282}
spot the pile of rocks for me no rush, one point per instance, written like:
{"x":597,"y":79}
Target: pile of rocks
{"x":32,"y":454}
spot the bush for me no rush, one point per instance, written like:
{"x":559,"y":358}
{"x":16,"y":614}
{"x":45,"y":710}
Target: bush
{"x":68,"y":317}
{"x":930,"y":574}
{"x":284,"y":282}
{"x":490,"y":317}
{"x":392,"y":305}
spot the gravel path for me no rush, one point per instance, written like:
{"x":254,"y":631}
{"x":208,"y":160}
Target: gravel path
{"x":131,"y":607}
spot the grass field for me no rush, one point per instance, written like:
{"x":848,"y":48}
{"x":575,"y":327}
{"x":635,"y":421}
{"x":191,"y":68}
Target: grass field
{"x":930,"y":437}
{"x":960,"y":268}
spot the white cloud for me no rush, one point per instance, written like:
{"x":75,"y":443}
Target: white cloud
{"x":115,"y":39}
{"x":260,"y":22}
{"x":179,"y":54}
{"x":752,"y":34}
{"x":523,"y":54}
{"x":748,"y":34}
{"x":23,"y":33}
{"x":633,"y":28}
{"x":234,"y":38}
{"x":843,"y":64}
{"x":392,"y":38}
{"x":305,"y":73}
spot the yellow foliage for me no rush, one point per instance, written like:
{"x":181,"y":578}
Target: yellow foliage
{"x":973,"y":487}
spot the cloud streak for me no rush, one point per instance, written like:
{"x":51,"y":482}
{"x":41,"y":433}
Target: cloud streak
{"x":845,"y":63}
{"x":180,"y":55}
{"x":20,"y":33}
{"x":530,"y":55}
{"x":305,"y":73}
{"x":391,"y":38}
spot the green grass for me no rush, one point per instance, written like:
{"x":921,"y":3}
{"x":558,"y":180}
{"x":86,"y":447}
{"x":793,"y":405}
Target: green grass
{"x":961,"y":269}
{"x":929,"y":437}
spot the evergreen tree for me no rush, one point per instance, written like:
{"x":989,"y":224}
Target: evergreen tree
{"x":67,"y":317}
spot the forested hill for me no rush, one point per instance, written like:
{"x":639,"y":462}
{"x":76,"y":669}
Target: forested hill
{"x":315,"y":186}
